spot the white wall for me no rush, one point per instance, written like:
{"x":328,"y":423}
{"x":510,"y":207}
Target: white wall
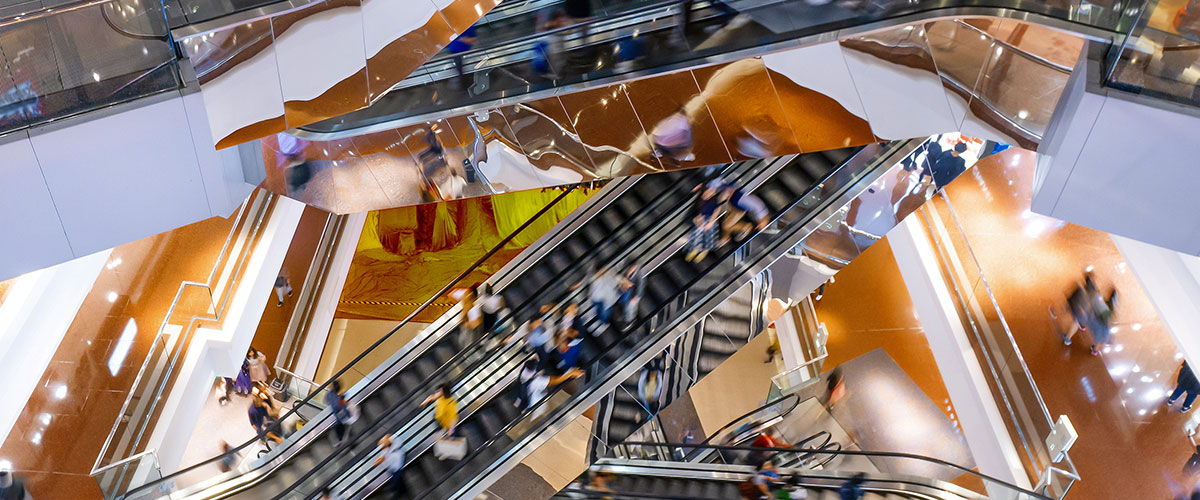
{"x":215,"y":353}
{"x":1121,"y":164}
{"x":93,"y":182}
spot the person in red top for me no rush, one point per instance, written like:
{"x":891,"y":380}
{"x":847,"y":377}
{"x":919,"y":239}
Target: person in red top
{"x":768,"y":438}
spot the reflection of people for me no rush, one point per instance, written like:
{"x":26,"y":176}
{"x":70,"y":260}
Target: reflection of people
{"x":835,"y":387}
{"x":672,"y":137}
{"x":949,"y":164}
{"x":12,"y":487}
{"x":461,"y":44}
{"x":650,"y":385}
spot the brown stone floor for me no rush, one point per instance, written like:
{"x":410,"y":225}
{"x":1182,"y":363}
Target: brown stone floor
{"x":1129,"y":445}
{"x":66,"y":420}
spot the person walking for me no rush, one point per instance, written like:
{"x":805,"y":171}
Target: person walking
{"x":336,"y":401}
{"x":445,"y":409}
{"x":392,"y":460}
{"x":632,"y":286}
{"x":604,"y":294}
{"x":650,"y":385}
{"x":852,"y":489}
{"x":1185,"y":383}
{"x":490,"y":305}
{"x":758,"y":487}
{"x":703,"y":235}
{"x":260,"y":419}
{"x":283,"y":288}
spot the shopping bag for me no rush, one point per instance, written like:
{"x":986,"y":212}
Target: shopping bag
{"x":450,"y":448}
{"x":352,"y":413}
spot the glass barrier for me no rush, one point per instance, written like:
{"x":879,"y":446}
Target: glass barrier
{"x":1163,"y":62}
{"x":669,"y":35}
{"x":1011,"y":383}
{"x":74,"y":58}
{"x":195,"y":305}
{"x":815,"y":458}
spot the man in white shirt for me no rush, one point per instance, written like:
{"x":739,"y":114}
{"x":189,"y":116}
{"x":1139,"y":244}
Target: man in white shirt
{"x":392,"y":459}
{"x":490,"y":304}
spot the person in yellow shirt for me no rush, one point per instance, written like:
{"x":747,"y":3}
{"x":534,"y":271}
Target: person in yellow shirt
{"x":445,"y":408}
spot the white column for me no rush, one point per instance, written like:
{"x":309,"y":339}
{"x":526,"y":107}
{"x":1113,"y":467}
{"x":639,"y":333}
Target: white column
{"x":978,"y":415}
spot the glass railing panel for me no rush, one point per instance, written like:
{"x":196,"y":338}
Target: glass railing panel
{"x":644,"y":40}
{"x":1017,"y":396}
{"x":72,"y":61}
{"x":1160,"y":64}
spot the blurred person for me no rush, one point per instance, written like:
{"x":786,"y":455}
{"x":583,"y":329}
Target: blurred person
{"x":225,"y":389}
{"x":567,"y":351}
{"x":578,"y":10}
{"x":672,"y":137}
{"x":768,"y":438}
{"x":336,"y":402}
{"x":534,"y":383}
{"x":548,"y":50}
{"x":260,"y":419}
{"x":603,"y":292}
{"x":229,"y":457}
{"x":628,"y":51}
{"x":490,"y":304}
{"x":740,"y":204}
{"x":472,"y":317}
{"x":948,"y":165}
{"x":727,"y":12}
{"x":753,"y":143}
{"x":572,"y":320}
{"x":283,"y":288}
{"x":445,"y":409}
{"x":12,"y":487}
{"x":758,"y":487}
{"x":536,"y":336}
{"x":392,"y":459}
{"x":242,"y":383}
{"x":1185,"y":383}
{"x":457,"y":47}
{"x":793,"y":489}
{"x":835,"y":388}
{"x":650,"y":385}
{"x":328,"y":494}
{"x":703,"y":235}
{"x":852,"y":489}
{"x":1091,"y":311}
{"x":633,"y":284}
{"x":256,"y":364}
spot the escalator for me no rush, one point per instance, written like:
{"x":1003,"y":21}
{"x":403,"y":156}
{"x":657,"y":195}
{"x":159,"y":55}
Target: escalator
{"x":675,"y":290}
{"x":647,"y":39}
{"x":390,"y":400}
{"x":882,"y":478}
{"x":704,"y":347}
{"x":492,"y":426}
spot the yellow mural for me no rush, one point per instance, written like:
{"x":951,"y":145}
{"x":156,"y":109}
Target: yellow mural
{"x":407,"y":254}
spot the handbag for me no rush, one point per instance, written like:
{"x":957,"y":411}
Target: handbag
{"x":450,"y":448}
{"x":352,"y":413}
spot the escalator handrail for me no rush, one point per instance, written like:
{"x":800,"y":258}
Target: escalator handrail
{"x":422,"y":387}
{"x":640,"y":322}
{"x":880,"y":454}
{"x":752,"y":412}
{"x":446,"y":288}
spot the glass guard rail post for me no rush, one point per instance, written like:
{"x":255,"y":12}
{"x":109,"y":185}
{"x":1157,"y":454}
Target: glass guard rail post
{"x":75,"y":60}
{"x":354,"y":371}
{"x":896,"y":466}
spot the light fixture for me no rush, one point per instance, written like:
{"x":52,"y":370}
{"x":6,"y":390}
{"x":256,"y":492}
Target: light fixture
{"x":112,"y":296}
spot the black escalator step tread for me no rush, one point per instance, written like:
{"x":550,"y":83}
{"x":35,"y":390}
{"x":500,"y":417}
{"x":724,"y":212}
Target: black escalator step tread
{"x":409,"y":380}
{"x":558,"y":262}
{"x":374,"y":408}
{"x":428,"y":468}
{"x":392,"y":392}
{"x":694,"y":489}
{"x":443,"y":352}
{"x":576,"y":248}
{"x":799,"y":181}
{"x":425,"y":366}
{"x":490,"y":421}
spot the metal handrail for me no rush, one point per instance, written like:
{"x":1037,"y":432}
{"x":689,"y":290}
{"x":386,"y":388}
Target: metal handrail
{"x":297,"y":376}
{"x":125,"y":460}
{"x":222,"y":262}
{"x":879,"y":454}
{"x":345,"y":369}
{"x":49,"y":11}
{"x":497,"y":350}
{"x":1009,"y":402}
{"x":653,"y":321}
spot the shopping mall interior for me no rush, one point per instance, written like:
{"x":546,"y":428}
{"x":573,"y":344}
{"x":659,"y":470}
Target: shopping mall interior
{"x":599,"y":249}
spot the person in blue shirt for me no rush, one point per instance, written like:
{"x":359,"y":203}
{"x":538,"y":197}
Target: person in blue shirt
{"x":461,"y":44}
